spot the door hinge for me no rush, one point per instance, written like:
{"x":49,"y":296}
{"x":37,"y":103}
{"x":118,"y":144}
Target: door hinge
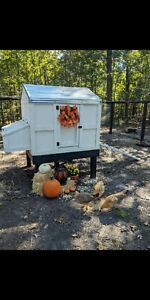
{"x":57,"y":107}
{"x":58,"y":143}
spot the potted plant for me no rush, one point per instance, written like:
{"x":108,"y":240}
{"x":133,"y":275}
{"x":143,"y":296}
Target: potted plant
{"x":74,"y":172}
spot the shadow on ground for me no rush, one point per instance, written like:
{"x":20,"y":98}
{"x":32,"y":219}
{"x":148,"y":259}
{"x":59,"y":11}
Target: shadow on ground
{"x":31,"y":222}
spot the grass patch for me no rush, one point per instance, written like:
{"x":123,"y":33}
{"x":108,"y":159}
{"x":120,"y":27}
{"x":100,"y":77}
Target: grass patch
{"x":122,"y":213}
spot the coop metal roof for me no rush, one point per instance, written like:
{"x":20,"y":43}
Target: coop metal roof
{"x":46,"y":93}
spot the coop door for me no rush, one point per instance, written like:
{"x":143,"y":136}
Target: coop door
{"x":66,"y":136}
{"x":89,"y":121}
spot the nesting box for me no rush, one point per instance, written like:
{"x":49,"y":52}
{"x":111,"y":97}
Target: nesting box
{"x":40,"y":131}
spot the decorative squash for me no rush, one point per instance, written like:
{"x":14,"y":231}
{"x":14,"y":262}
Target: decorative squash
{"x":52,"y":188}
{"x":44,"y":168}
{"x":66,"y":190}
{"x":60,"y":173}
{"x":72,"y":189}
{"x":69,"y":187}
{"x":71,"y":184}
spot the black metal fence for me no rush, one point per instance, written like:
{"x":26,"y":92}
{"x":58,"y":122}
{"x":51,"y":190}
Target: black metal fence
{"x":10,"y":111}
{"x":145,"y":105}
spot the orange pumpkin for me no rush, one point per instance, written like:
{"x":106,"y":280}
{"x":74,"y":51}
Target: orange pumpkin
{"x":51,"y":188}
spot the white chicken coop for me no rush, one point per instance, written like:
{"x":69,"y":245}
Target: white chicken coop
{"x":41,"y":133}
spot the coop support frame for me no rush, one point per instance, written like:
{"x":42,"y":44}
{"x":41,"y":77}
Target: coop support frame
{"x":93,"y":154}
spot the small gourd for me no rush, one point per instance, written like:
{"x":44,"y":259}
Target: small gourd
{"x":69,"y":187}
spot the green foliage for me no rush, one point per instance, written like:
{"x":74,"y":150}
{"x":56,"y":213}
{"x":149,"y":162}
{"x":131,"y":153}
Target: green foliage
{"x":76,"y":68}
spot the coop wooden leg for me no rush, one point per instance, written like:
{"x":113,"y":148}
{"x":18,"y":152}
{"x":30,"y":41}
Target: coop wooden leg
{"x":93,"y":167}
{"x":56,"y":164}
{"x":28,"y":160}
{"x":36,"y":168}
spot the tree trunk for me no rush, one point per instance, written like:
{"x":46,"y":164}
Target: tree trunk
{"x":92,"y":82}
{"x":109,"y":75}
{"x":134,"y":110}
{"x":127,"y":92}
{"x":109,"y":88}
{"x":2,"y":120}
{"x":33,"y":69}
{"x":65,"y":70}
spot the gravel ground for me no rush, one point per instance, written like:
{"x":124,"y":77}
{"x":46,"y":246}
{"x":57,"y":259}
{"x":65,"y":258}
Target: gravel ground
{"x":30,"y":222}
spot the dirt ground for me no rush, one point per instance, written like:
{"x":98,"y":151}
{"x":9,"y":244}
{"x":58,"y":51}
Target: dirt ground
{"x":30,"y":222}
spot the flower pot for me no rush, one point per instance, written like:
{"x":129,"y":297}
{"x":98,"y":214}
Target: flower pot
{"x":75,"y":178}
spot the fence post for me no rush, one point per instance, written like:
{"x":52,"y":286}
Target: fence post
{"x":143,"y":122}
{"x":111,"y":116}
{"x":126,"y":112}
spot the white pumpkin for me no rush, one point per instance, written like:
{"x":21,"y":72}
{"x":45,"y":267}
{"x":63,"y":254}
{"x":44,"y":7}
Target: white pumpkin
{"x":44,"y":168}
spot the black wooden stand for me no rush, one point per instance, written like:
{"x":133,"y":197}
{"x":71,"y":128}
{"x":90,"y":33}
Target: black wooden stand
{"x":93,"y":167}
{"x":39,"y":159}
{"x":28,"y":159}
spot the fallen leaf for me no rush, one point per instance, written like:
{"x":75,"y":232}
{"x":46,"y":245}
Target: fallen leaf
{"x":74,"y":235}
{"x":16,"y":192}
{"x":87,"y":208}
{"x":133,"y":227}
{"x":139,"y":236}
{"x":124,"y":229}
{"x":33,"y":226}
{"x":146,"y":224}
{"x":102,"y":247}
{"x":35,"y":235}
{"x":46,"y":226}
{"x":61,"y":220}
